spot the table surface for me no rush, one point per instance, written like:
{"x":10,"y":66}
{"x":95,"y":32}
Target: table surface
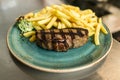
{"x":11,"y":69}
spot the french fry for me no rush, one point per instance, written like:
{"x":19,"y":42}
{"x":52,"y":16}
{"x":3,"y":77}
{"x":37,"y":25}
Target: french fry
{"x":87,"y":11}
{"x":44,"y":21}
{"x":29,"y":15}
{"x":91,"y":32}
{"x":28,"y":34}
{"x":66,"y":22}
{"x":102,"y":27}
{"x":59,"y":13}
{"x":57,"y":7}
{"x":103,"y":30}
{"x":55,"y":24}
{"x":50,"y":24}
{"x":79,"y":23}
{"x":63,"y":26}
{"x":40,"y":17}
{"x":74,"y":13}
{"x":37,"y":28}
{"x":43,"y":11}
{"x":43,"y":26}
{"x":87,"y":25}
{"x":96,"y":36}
{"x":32,"y":38}
{"x":59,"y":25}
{"x":70,"y":7}
{"x":68,"y":14}
{"x":36,"y":19}
{"x":49,"y":8}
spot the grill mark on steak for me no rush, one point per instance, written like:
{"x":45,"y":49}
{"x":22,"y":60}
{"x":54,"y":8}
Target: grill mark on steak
{"x":44,"y":38}
{"x":52,"y":37}
{"x":80,"y":33}
{"x":72,"y":36}
{"x":62,"y":39}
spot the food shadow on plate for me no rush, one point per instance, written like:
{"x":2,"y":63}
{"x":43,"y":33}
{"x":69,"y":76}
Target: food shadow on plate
{"x":37,"y":75}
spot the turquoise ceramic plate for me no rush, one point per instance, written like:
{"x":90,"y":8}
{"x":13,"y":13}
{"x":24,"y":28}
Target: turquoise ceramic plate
{"x":51,"y":61}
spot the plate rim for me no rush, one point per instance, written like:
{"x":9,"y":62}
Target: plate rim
{"x":58,"y":70}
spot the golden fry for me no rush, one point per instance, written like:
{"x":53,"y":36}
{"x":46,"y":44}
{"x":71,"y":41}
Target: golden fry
{"x":43,"y":11}
{"x":63,"y":26}
{"x":57,"y":7}
{"x":96,"y":36}
{"x":28,"y":34}
{"x":102,"y":27}
{"x":50,"y":24}
{"x":43,"y":26}
{"x":91,"y":33}
{"x":44,"y":21}
{"x":103,"y":30}
{"x":66,"y":22}
{"x":37,"y":28}
{"x":55,"y":24}
{"x":36,"y":19}
{"x":29,"y":15}
{"x":42,"y":17}
{"x":59,"y":25}
{"x":32,"y":38}
{"x":74,"y":13}
{"x":61,"y":14}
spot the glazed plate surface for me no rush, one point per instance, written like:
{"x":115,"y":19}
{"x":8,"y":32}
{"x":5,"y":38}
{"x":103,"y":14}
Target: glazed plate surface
{"x":52,"y":61}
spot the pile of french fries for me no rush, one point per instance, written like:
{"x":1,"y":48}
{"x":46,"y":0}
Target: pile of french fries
{"x":65,"y":16}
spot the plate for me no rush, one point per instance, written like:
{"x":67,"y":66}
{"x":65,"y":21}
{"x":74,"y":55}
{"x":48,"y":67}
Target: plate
{"x":52,"y":61}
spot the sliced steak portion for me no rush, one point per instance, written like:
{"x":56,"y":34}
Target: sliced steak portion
{"x":62,"y":39}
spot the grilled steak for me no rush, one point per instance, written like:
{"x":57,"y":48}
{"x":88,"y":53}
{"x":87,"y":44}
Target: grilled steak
{"x":62,"y":39}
